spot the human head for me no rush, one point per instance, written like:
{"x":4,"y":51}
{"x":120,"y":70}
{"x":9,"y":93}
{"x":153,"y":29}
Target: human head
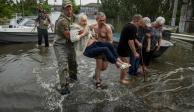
{"x":147,"y":21}
{"x":45,"y":12}
{"x":82,"y":19}
{"x":101,"y":18}
{"x":40,"y":7}
{"x":137,"y":20}
{"x":160,"y":21}
{"x":67,"y":8}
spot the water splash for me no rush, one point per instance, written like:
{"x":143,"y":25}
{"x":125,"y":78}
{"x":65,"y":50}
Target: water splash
{"x":54,"y":100}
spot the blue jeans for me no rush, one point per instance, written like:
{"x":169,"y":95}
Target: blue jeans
{"x":135,"y":62}
{"x":99,"y":48}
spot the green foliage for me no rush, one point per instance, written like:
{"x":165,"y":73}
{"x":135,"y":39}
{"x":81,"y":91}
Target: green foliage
{"x":6,"y":8}
{"x":75,"y":7}
{"x":26,"y":7}
{"x":110,"y":7}
{"x":5,"y":12}
{"x":29,"y":7}
{"x":47,"y":7}
{"x":125,"y":9}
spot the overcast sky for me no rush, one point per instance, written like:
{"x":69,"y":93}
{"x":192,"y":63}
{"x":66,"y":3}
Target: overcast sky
{"x":58,"y":2}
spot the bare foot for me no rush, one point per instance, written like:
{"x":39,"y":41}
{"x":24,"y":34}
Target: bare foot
{"x":124,"y":82}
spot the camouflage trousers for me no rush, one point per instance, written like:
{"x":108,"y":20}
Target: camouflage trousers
{"x":67,"y":64}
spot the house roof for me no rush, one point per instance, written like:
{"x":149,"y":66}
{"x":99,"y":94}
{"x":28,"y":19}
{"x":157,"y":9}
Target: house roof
{"x":92,"y":5}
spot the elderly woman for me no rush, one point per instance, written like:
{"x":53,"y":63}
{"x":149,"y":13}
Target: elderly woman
{"x":90,"y":47}
{"x":146,"y":54}
{"x":157,"y":33}
{"x":155,"y":39}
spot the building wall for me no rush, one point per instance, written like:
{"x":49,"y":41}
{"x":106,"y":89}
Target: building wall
{"x":89,"y":11}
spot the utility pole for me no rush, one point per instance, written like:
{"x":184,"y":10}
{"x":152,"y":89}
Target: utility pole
{"x":183,"y":15}
{"x":22,"y":8}
{"x":174,"y":13}
{"x":98,"y":2}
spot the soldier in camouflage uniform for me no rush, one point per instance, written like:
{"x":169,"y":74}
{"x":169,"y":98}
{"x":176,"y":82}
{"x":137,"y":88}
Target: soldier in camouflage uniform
{"x":42,"y":23}
{"x":64,"y":48}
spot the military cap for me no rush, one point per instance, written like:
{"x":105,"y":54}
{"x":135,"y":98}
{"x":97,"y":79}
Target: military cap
{"x":66,"y":3}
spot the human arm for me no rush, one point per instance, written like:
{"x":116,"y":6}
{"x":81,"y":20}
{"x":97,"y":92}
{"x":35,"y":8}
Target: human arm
{"x":159,"y":42}
{"x":62,"y":28}
{"x":139,"y":44}
{"x":131,"y":44}
{"x":131,"y":33}
{"x":148,"y":38}
{"x":109,"y":34}
{"x":93,"y":32}
{"x":35,"y":24}
{"x":51,"y":24}
{"x":76,"y":34}
{"x":83,"y":32}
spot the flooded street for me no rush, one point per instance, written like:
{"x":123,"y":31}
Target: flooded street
{"x":28,"y":82}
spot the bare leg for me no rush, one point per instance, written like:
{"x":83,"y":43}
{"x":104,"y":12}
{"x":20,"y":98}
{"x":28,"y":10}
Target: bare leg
{"x":100,"y":66}
{"x":98,"y":69}
{"x":104,"y":65}
{"x":123,"y":73}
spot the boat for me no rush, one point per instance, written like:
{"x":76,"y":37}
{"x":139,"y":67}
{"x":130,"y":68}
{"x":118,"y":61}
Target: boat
{"x":21,"y":31}
{"x":165,"y":44}
{"x":20,"y":35}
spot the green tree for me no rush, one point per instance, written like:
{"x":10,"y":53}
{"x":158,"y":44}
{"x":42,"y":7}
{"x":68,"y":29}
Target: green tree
{"x":125,"y":9}
{"x":110,"y":7}
{"x":75,"y":7}
{"x":6,"y":7}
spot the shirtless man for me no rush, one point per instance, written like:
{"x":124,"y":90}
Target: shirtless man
{"x":103,"y":33}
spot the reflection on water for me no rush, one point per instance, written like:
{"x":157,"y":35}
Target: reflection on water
{"x":29,"y":79}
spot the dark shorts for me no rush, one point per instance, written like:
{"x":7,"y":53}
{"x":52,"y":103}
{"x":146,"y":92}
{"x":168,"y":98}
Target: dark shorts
{"x":123,"y":52}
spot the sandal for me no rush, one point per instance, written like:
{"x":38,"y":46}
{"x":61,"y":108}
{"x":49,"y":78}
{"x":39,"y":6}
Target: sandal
{"x":98,"y":85}
{"x":124,"y":66}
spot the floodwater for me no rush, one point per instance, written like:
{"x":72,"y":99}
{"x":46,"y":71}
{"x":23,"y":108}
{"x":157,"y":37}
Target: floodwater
{"x":28,"y":82}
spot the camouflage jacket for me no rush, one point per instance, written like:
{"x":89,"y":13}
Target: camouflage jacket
{"x":43,"y":21}
{"x":63,"y":23}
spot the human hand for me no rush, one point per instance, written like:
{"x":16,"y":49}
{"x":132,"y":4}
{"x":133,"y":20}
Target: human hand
{"x":136,"y":55}
{"x":80,"y":32}
{"x":140,"y":45}
{"x":83,"y":32}
{"x":148,"y":50}
{"x":158,"y":48}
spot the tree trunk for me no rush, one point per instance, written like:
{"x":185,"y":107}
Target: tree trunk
{"x":188,"y":23}
{"x":174,"y":13}
{"x":183,"y":16}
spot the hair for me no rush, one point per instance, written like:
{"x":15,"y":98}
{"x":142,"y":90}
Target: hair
{"x":147,"y":21}
{"x":136,"y":17}
{"x":100,"y":14}
{"x":81,"y":15}
{"x":160,"y":20}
